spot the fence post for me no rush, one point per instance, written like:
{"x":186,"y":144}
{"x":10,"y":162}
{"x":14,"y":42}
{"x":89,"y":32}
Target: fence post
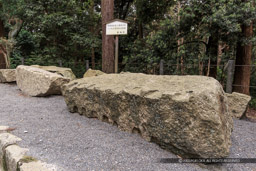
{"x":60,"y":63}
{"x":161,"y":67}
{"x":87,"y":65}
{"x":22,"y":61}
{"x":230,"y":75}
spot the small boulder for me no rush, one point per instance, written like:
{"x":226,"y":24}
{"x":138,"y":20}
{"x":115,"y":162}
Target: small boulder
{"x":251,"y":114}
{"x":65,"y":72}
{"x":92,"y":73}
{"x":38,"y":82}
{"x":237,"y":104}
{"x":13,"y":154}
{"x":7,"y":75}
{"x":34,"y":166}
{"x":6,"y":140}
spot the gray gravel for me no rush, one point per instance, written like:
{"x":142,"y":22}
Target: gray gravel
{"x":76,"y":143}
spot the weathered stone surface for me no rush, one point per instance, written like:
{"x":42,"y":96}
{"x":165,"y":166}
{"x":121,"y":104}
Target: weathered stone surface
{"x":237,"y":104}
{"x":6,"y":139}
{"x":38,"y":82}
{"x":7,"y":75}
{"x":92,"y":73}
{"x":3,"y":129}
{"x":65,"y":72}
{"x":34,"y":166}
{"x":13,"y":155}
{"x":185,"y":114}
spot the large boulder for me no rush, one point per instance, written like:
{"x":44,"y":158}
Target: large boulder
{"x":65,"y":72}
{"x":92,"y":73}
{"x":237,"y":104}
{"x":7,"y":75}
{"x":185,"y":114}
{"x":38,"y":82}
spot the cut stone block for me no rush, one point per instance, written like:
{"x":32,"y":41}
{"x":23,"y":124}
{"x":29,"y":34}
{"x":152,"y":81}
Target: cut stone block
{"x":7,"y":139}
{"x":65,"y":72}
{"x":185,"y":114}
{"x":38,"y":82}
{"x":93,"y":73}
{"x":7,"y":75}
{"x":34,"y":166}
{"x":237,"y":104}
{"x":13,"y":155}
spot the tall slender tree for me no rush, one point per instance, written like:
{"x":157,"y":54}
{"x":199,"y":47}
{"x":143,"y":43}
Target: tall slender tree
{"x":243,"y":59}
{"x":108,"y":56}
{"x":2,"y":53}
{"x":243,"y":62}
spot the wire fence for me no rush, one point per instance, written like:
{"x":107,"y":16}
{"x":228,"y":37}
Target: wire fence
{"x":225,"y":73}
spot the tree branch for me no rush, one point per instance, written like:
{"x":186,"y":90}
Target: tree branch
{"x":190,"y":42}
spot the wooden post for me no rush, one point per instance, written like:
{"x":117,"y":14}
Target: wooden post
{"x":22,"y":61}
{"x":161,"y":67}
{"x":60,"y":63}
{"x":87,"y":65}
{"x":116,"y":54}
{"x":230,"y":75}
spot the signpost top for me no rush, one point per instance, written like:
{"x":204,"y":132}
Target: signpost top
{"x":117,"y":27}
{"x":121,"y":21}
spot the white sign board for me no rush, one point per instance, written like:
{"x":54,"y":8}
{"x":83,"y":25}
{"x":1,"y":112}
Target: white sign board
{"x":116,"y":28}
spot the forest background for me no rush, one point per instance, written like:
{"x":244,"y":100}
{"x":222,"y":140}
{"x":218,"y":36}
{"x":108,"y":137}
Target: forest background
{"x":192,"y":37}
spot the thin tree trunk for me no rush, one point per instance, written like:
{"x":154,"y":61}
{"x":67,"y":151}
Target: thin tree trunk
{"x":201,"y":68}
{"x":141,"y":29}
{"x":93,"y":58}
{"x":212,"y":51}
{"x":219,"y":54}
{"x":209,"y":67}
{"x":108,"y":56}
{"x":182,"y":67}
{"x":203,"y":50}
{"x":2,"y":59}
{"x":2,"y":54}
{"x":92,"y":30}
{"x":180,"y":42}
{"x":2,"y":32}
{"x":7,"y":45}
{"x":243,"y":57}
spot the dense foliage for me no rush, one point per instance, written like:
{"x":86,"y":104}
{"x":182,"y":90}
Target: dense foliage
{"x":57,"y":32}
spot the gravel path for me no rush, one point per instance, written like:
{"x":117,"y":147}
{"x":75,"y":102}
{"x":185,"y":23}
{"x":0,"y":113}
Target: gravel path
{"x":76,"y":143}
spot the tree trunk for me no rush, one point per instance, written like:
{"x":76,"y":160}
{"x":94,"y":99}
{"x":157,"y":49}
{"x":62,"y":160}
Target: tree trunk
{"x":2,"y":54}
{"x":220,"y":48}
{"x":203,"y":49}
{"x":6,"y":46}
{"x":2,"y":32}
{"x":92,"y":30}
{"x":141,"y":29}
{"x":180,"y":42}
{"x":212,"y":52}
{"x":2,"y":59}
{"x":243,"y":57}
{"x":108,"y":56}
{"x":93,"y":58}
{"x":201,"y":67}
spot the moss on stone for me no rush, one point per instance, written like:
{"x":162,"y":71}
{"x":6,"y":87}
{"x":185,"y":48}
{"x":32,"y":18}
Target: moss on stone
{"x":28,"y":159}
